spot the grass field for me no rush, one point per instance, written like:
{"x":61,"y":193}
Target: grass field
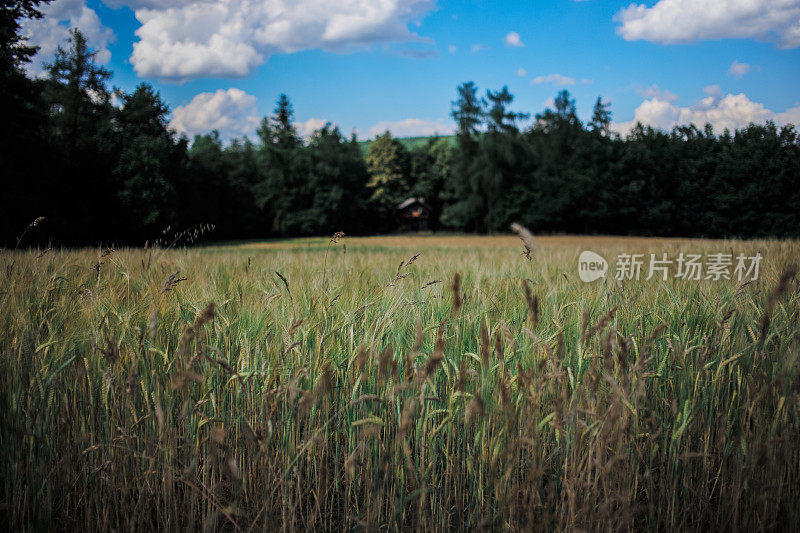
{"x":307,"y":384}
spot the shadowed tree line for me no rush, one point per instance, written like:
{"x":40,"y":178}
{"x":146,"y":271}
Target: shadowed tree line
{"x":103,"y":166}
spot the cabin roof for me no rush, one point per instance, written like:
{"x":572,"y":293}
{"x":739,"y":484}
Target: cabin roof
{"x":411,"y":201}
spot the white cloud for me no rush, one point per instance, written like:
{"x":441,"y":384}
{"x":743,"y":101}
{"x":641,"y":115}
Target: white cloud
{"x":53,"y":30}
{"x":146,"y":4}
{"x":521,"y":72}
{"x":306,"y":129}
{"x":714,"y":91}
{"x":513,"y":39}
{"x":721,"y":111}
{"x":738,"y":70}
{"x":655,"y":92}
{"x":412,"y":127}
{"x":233,"y":113}
{"x":451,"y":49}
{"x":790,"y":116}
{"x":555,"y":79}
{"x":180,"y":39}
{"x":587,"y":81}
{"x":478,"y":47}
{"x":682,"y":21}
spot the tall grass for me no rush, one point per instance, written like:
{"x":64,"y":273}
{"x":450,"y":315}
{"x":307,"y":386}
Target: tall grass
{"x":318,"y":388}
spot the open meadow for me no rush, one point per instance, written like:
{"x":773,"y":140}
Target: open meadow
{"x":402,"y":382}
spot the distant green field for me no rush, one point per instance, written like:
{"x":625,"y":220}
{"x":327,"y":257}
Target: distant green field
{"x":412,"y":142}
{"x":397,"y":383}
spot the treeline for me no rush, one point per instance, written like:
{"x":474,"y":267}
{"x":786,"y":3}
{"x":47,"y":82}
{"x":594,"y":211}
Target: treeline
{"x":103,"y":167}
{"x":561,"y":176}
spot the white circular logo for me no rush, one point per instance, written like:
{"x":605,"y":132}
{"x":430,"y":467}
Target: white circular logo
{"x":591,"y":266}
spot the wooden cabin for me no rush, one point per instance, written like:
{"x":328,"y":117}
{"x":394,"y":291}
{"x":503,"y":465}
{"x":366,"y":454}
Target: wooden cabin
{"x":412,"y":214}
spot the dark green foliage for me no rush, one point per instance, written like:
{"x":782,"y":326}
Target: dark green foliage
{"x":308,"y":188}
{"x":148,"y":162}
{"x":80,"y":196}
{"x":280,"y":165}
{"x":431,"y":170}
{"x":464,"y":205}
{"x":498,"y":153}
{"x":241,"y":214}
{"x":389,"y":167}
{"x":22,"y":146}
{"x":560,"y":177}
{"x":331,"y":193}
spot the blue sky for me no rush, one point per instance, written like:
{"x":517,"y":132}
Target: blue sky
{"x":367,"y":65}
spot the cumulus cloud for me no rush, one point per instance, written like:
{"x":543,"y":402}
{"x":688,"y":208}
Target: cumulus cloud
{"x":555,"y":79}
{"x":521,"y":72}
{"x":306,"y":129}
{"x":53,"y":30}
{"x":145,"y":4}
{"x":513,"y":39}
{"x":233,"y":113}
{"x":682,"y":21}
{"x":790,"y":116}
{"x":478,"y":47}
{"x":721,"y":110}
{"x":738,"y":70}
{"x":412,"y":127}
{"x":714,"y":91}
{"x":654,"y":91}
{"x":181,"y":39}
{"x":451,"y":49}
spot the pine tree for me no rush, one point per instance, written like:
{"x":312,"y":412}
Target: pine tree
{"x":82,"y":142}
{"x":497,"y":153}
{"x":601,"y":117}
{"x":565,"y":106}
{"x":280,"y":149}
{"x":468,"y":111}
{"x":465,"y":208}
{"x":147,"y":162}
{"x":500,"y":118}
{"x":76,"y":91}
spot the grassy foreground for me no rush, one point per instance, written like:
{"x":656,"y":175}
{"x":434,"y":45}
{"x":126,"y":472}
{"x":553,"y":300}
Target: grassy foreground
{"x":310,"y":385}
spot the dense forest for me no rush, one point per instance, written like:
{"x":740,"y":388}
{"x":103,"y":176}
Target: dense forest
{"x":103,"y":167}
